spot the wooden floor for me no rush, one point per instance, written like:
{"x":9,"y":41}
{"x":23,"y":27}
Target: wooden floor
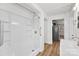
{"x":51,"y":50}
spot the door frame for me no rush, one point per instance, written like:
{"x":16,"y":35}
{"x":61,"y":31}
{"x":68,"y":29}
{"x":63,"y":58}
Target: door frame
{"x":52,"y":26}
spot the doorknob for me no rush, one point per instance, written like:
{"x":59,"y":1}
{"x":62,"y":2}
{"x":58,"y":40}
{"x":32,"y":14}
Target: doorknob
{"x":35,"y":32}
{"x":33,"y":50}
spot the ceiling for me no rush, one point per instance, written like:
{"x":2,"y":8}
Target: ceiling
{"x":55,"y":8}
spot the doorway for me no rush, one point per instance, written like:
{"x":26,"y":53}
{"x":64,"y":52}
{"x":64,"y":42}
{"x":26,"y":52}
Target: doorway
{"x":57,"y":29}
{"x":57,"y":33}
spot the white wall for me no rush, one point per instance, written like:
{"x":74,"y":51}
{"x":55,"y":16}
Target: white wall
{"x":17,"y":13}
{"x":17,"y":31}
{"x":45,"y":31}
{"x":14,"y":8}
{"x":41,"y":21}
{"x":76,"y":14}
{"x":42,"y":32}
{"x":68,"y":25}
{"x":48,"y":31}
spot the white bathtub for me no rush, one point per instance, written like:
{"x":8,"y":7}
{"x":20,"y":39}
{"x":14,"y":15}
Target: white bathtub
{"x":69,"y":48}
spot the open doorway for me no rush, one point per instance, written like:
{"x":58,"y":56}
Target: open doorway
{"x":57,"y":29}
{"x":57,"y":34}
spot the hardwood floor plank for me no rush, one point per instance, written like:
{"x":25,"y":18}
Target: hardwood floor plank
{"x":46,"y":46}
{"x":51,"y":50}
{"x":54,"y":49}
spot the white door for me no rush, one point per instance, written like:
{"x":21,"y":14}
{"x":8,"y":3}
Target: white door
{"x":36,"y":28}
{"x":21,"y":35}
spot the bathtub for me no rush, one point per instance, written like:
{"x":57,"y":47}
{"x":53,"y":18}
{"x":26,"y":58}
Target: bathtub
{"x":69,"y":48}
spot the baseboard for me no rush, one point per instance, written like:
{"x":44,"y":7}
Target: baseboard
{"x":35,"y":52}
{"x":47,"y":44}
